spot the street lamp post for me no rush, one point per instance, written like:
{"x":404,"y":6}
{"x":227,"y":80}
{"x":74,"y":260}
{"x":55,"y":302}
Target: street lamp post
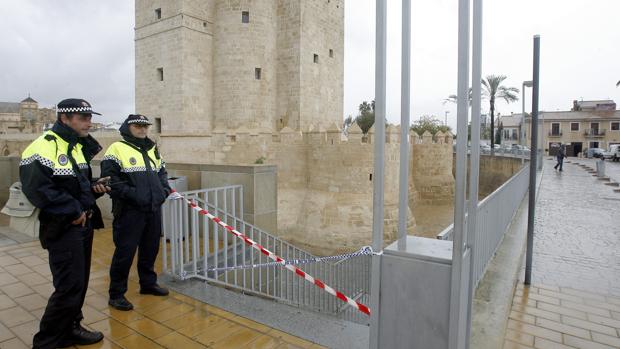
{"x":527,"y":83}
{"x":446,"y":117}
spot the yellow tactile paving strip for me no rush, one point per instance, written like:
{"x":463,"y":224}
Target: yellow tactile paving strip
{"x":558,"y":317}
{"x":175,"y":321}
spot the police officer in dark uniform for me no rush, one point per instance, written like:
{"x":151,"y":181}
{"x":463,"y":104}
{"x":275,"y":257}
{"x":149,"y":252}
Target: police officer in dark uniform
{"x":140,"y":186}
{"x":57,"y":178}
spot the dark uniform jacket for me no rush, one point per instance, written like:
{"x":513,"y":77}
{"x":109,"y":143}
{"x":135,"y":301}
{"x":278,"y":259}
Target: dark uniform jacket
{"x":138,"y":174}
{"x":56,"y":177}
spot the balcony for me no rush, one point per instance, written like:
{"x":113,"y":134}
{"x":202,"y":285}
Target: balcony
{"x":594,"y":132}
{"x":555,"y":133}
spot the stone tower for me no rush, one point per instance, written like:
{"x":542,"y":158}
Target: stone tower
{"x":204,"y":65}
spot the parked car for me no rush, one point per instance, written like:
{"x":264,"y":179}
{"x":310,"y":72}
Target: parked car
{"x":614,"y":151}
{"x":595,"y":153}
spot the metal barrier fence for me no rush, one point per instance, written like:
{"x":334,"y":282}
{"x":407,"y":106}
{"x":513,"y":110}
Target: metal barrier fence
{"x":202,"y":249}
{"x":495,"y":213}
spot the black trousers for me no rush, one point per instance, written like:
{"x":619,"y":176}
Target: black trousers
{"x":69,"y":259}
{"x":133,"y":229}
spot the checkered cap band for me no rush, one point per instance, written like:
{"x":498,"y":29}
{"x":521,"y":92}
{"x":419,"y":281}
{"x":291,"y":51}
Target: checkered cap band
{"x":139,"y":121}
{"x":75,"y":110}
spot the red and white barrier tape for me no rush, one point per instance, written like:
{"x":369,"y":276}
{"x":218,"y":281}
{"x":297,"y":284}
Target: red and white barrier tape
{"x":320,"y":284}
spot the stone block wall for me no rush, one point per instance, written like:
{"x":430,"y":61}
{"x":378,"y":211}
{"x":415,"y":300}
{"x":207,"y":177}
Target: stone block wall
{"x":209,"y":60}
{"x":431,"y":169}
{"x":324,"y":179}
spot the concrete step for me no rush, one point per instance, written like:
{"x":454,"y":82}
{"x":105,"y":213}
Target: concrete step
{"x":604,"y":179}
{"x":613,"y":184}
{"x":617,"y":190}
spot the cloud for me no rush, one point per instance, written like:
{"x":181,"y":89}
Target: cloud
{"x":62,"y":48}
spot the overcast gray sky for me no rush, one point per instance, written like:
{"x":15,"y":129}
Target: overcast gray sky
{"x":62,"y":48}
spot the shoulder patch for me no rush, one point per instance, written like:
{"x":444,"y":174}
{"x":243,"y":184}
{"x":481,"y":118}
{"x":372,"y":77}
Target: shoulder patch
{"x":63,"y":159}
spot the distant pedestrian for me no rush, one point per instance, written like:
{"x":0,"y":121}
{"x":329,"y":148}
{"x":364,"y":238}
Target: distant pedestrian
{"x":560,"y":157}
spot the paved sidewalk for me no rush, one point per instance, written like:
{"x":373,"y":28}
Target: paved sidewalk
{"x":574,"y":300}
{"x":577,"y":232}
{"x":175,"y":321}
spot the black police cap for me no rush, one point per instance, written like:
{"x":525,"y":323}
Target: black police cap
{"x":75,"y":105}
{"x":138,"y":119}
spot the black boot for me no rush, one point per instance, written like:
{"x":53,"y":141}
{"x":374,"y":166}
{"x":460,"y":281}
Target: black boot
{"x":120,"y":303}
{"x":80,"y":336}
{"x":155,"y":290}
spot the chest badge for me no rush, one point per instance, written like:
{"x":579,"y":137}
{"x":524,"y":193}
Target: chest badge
{"x":132,"y":161}
{"x":63,"y":159}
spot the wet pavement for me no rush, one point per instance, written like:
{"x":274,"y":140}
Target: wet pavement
{"x":574,"y":299}
{"x":577,"y":230}
{"x":174,"y":321}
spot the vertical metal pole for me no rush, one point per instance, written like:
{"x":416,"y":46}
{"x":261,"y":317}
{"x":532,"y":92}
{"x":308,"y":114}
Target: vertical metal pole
{"x":405,"y":104}
{"x":378,"y":172}
{"x":522,"y":128}
{"x":533,"y":159}
{"x":461,"y":175}
{"x":474,"y":157}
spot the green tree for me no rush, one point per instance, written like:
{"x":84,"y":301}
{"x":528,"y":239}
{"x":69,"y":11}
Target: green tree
{"x":494,"y":90}
{"x":366,"y":118}
{"x":429,"y":123}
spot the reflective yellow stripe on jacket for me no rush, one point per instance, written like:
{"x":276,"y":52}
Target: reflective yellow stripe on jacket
{"x":130,"y":159}
{"x":52,"y":153}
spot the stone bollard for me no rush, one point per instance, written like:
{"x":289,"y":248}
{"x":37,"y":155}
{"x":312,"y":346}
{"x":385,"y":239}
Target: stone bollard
{"x":600,"y":168}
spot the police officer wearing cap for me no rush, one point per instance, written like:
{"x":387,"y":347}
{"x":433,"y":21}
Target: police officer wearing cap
{"x":139,"y":188}
{"x":57,"y":178}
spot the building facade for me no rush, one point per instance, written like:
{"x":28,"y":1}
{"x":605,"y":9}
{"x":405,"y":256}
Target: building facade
{"x":24,"y":117}
{"x":589,"y":124}
{"x":205,"y":65}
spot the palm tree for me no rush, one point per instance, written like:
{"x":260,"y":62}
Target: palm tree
{"x":493,"y":90}
{"x":454,"y":98}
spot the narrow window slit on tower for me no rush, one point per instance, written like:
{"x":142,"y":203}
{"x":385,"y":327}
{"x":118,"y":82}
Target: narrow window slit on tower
{"x":158,"y":125}
{"x":160,"y":74}
{"x":245,"y":17}
{"x":331,"y":53}
{"x":158,"y":13}
{"x":257,"y":72}
{"x":316,"y":58}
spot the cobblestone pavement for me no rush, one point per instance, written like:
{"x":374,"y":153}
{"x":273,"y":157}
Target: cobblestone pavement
{"x":577,"y":231}
{"x":574,"y":300}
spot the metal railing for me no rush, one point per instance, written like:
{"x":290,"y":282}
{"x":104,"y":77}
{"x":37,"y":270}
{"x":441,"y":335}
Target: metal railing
{"x":505,"y":152}
{"x":202,"y":249}
{"x":495,"y":213}
{"x":594,"y":132}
